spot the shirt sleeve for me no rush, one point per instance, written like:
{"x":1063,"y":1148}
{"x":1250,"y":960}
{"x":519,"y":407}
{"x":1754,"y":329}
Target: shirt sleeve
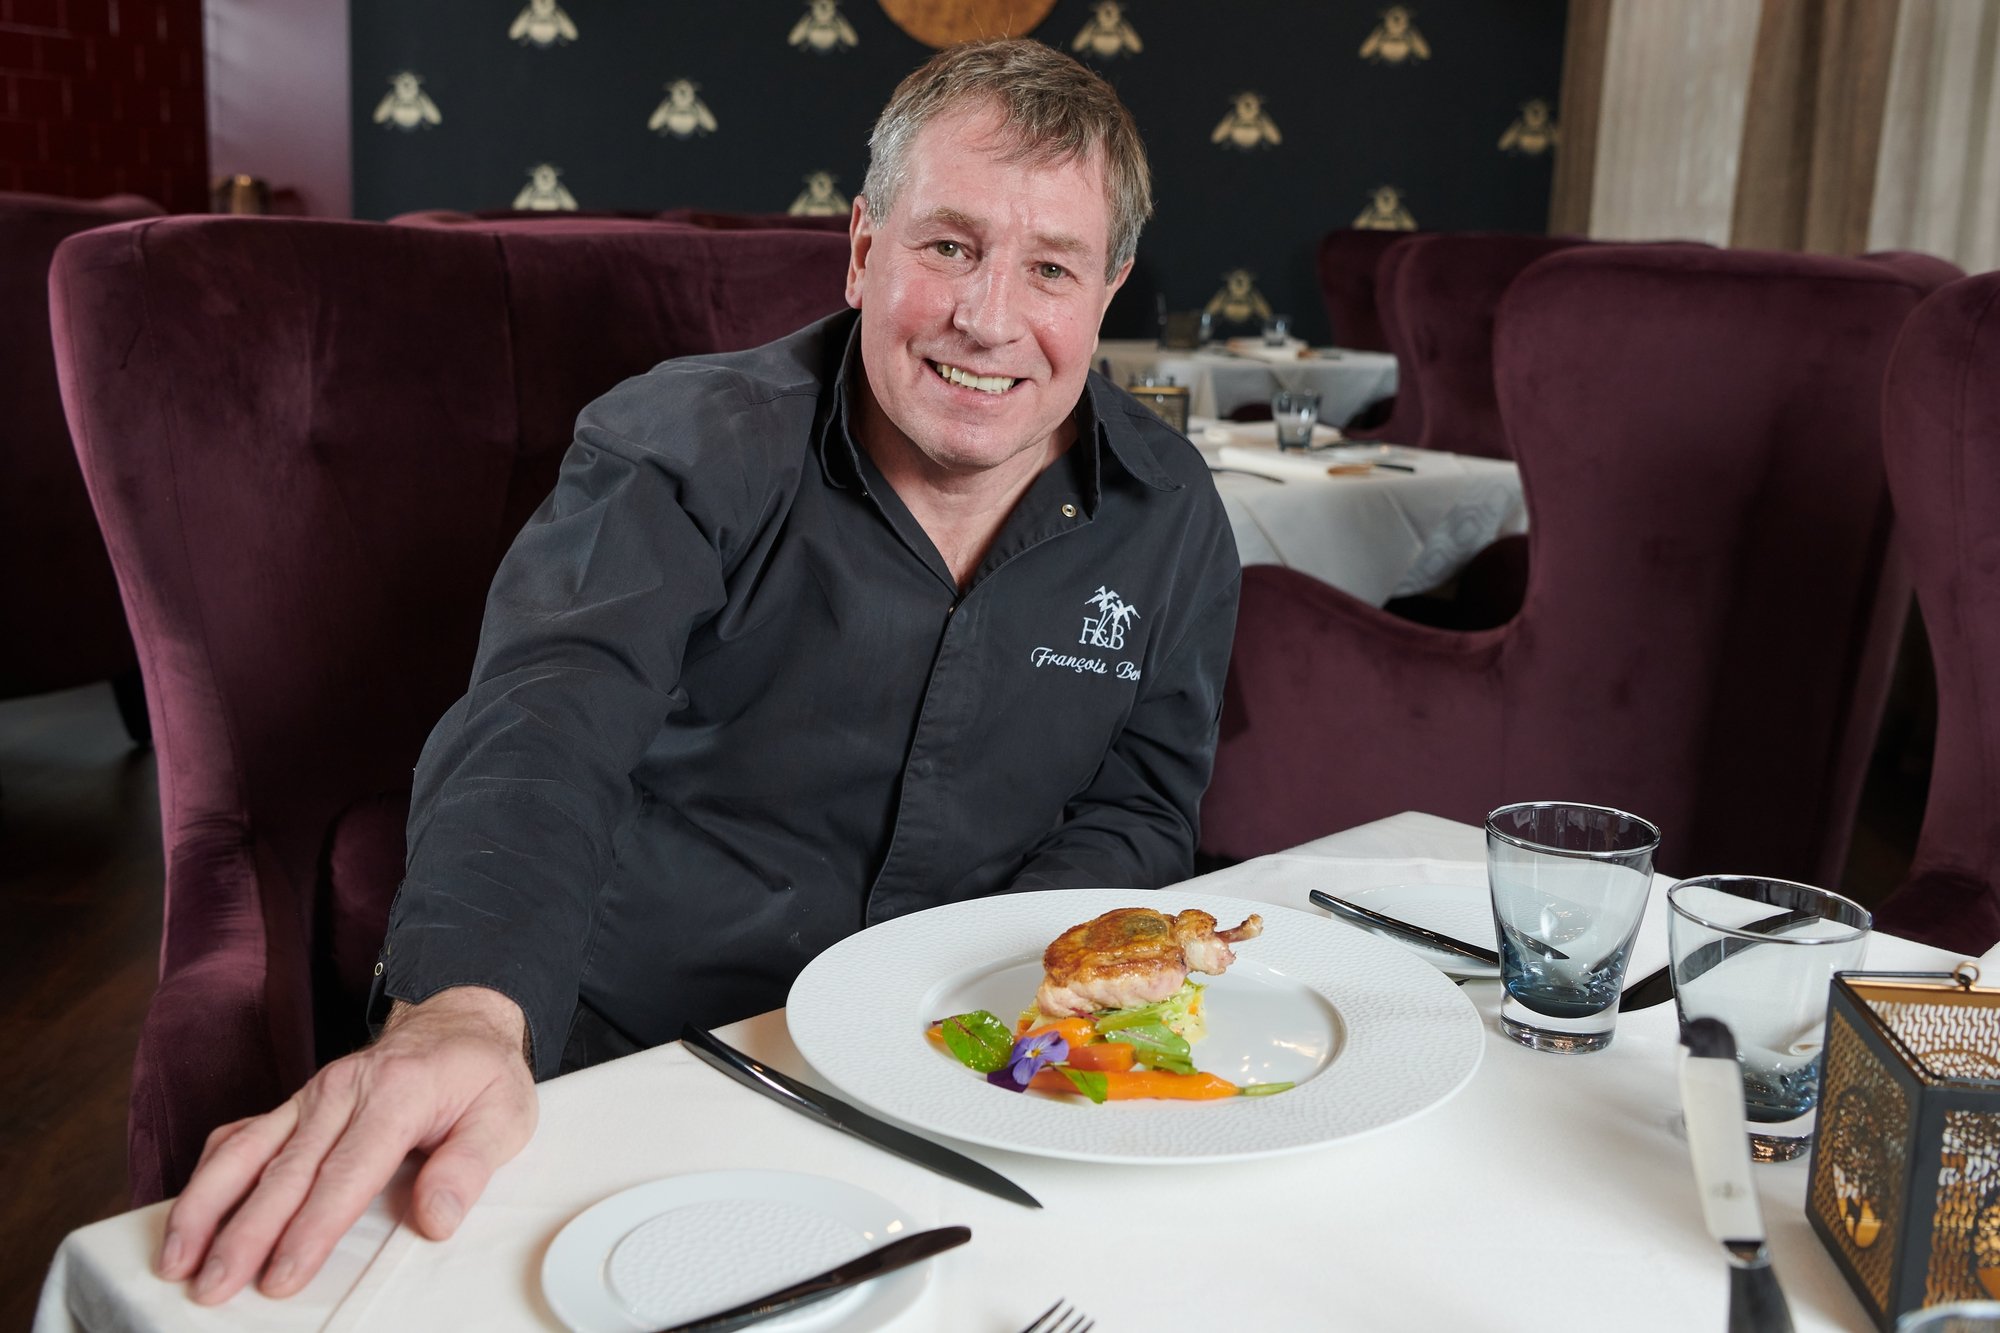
{"x":524,"y":781}
{"x":1136,"y":824}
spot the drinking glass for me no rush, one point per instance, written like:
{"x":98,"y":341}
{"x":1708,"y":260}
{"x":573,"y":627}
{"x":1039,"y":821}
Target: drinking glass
{"x":1957,"y":1317}
{"x":1760,"y":955}
{"x":1277,"y":330}
{"x":1294,"y":414}
{"x":1569,"y":884}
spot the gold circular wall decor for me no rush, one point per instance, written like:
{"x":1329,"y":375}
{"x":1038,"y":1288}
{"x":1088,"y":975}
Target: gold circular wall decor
{"x":942,"y":23}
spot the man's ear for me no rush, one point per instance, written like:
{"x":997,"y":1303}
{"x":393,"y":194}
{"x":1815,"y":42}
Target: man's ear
{"x":860,"y":237}
{"x":1111,"y":288}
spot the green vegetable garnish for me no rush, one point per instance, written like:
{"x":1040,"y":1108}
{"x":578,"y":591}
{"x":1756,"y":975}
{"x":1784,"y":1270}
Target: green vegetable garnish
{"x":1171,"y":1012}
{"x":1263,"y":1089}
{"x":1154,"y":1045}
{"x":979,"y":1040}
{"x":1088,"y":1082}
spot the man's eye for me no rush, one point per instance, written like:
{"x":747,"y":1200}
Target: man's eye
{"x":949,"y":249}
{"x":1051,"y":271}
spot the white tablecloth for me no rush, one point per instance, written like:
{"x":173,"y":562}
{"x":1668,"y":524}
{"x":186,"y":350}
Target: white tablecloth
{"x":1378,"y":535}
{"x":1551,"y":1192}
{"x":1219,"y":383}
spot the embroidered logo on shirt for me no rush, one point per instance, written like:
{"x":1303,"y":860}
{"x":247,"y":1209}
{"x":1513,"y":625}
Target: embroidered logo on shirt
{"x":1107,"y":628}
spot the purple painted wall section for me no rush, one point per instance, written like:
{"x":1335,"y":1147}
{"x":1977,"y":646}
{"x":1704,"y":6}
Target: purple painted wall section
{"x":277,"y":98}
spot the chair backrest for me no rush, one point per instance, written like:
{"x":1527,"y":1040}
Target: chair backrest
{"x":60,"y":617}
{"x":1708,"y":600}
{"x":1942,"y":437}
{"x":1447,"y":291}
{"x":1345,"y":264}
{"x":1405,"y":421}
{"x":309,"y":444}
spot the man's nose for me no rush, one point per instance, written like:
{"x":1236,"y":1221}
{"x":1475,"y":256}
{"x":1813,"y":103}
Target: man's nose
{"x":990,"y":306}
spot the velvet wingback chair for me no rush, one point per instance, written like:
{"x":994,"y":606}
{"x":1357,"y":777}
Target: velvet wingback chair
{"x":309,"y":444}
{"x":1401,"y":419}
{"x":1346,"y":266}
{"x":1709,"y":618}
{"x":1942,"y":429}
{"x":1447,"y":289}
{"x":60,"y":618}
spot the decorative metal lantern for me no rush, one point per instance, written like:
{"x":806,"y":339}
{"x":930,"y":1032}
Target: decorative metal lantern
{"x":1905,"y":1188}
{"x":1168,"y":399}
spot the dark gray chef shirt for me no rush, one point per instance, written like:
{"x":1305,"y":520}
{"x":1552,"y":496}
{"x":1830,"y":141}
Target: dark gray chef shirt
{"x":730,"y":706}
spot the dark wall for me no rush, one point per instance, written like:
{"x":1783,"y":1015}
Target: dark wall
{"x":1428,"y":125}
{"x":103,"y":97}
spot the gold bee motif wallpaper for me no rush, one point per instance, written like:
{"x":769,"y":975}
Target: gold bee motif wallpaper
{"x":1269,"y":122}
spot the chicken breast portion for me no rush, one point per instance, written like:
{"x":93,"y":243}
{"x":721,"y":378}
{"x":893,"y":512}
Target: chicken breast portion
{"x":1134,"y":956}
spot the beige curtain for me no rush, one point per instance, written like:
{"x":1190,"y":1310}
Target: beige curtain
{"x":1805,"y":178}
{"x":1670,"y":126}
{"x":1937,"y":181}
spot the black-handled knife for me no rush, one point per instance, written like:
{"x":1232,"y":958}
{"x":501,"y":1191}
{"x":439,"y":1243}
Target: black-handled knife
{"x":1719,"y":1148}
{"x":837,"y":1114}
{"x":884,"y":1259}
{"x":1420,"y":934}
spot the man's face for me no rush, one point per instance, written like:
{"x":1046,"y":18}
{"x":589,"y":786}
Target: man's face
{"x":981,"y":293}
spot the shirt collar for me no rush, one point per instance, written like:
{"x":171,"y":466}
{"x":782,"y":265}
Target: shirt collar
{"x":1107,"y":421}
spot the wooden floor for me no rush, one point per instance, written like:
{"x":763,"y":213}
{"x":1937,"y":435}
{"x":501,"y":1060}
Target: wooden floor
{"x":80,"y":883}
{"x":80,"y":879}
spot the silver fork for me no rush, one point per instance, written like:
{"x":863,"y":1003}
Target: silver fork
{"x":1062,"y":1317}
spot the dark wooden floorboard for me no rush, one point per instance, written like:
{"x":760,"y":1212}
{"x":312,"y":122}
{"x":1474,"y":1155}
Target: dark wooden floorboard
{"x":80,"y":877}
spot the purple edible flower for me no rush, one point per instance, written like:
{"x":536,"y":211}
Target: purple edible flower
{"x":1028,"y":1056}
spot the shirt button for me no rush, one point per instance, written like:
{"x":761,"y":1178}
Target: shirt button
{"x":378,"y":969}
{"x":1069,"y":511}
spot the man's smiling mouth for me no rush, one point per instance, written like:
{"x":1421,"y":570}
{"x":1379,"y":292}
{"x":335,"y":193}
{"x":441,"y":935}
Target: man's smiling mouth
{"x":983,"y":383}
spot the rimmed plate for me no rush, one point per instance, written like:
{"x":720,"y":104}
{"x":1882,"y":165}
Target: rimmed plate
{"x":1462,"y":910}
{"x":1371,"y":1034}
{"x":676,"y":1249}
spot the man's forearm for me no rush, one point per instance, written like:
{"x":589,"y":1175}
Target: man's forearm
{"x":477,"y":1005}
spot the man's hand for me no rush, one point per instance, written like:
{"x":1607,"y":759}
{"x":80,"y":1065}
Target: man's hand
{"x":447,"y":1078}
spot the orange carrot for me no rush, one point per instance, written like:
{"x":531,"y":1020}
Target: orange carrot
{"x":1105,"y":1057}
{"x":1137,"y":1083}
{"x":1077,"y":1032}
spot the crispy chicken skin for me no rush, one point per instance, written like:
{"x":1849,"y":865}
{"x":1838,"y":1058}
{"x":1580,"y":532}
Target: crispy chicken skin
{"x":1134,"y":956}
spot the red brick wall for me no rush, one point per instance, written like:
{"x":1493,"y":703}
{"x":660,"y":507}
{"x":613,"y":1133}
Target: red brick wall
{"x":104,"y":96}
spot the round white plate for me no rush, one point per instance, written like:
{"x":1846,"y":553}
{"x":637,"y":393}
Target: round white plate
{"x":1462,"y":911}
{"x":677,"y":1249}
{"x":1371,"y":1034}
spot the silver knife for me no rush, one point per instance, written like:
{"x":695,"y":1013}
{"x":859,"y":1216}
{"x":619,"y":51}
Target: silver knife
{"x":1421,"y":935}
{"x":883,"y":1259}
{"x":837,"y":1114}
{"x":1657,"y":987}
{"x":1712,"y":1103}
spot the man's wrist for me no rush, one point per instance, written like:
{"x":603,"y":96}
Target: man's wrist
{"x":480,"y":1005}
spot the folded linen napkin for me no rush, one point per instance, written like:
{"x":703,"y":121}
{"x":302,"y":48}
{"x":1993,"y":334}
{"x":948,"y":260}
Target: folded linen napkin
{"x":1268,"y":461}
{"x":1290,"y":350}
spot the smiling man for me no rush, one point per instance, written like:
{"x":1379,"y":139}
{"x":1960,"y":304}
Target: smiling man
{"x":904,"y":609}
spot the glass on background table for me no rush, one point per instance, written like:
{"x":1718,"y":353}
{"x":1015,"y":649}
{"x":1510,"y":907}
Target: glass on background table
{"x":1221,"y":382}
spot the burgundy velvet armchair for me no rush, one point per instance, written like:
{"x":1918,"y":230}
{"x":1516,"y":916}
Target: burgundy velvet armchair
{"x":1942,"y":429}
{"x":309,"y":444}
{"x":1401,"y":418}
{"x":1346,"y":267}
{"x":1709,"y":616}
{"x":60,"y":617}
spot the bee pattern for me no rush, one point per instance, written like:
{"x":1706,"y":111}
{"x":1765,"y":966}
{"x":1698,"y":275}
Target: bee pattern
{"x":1532,"y":132}
{"x":544,"y":24}
{"x":1107,"y":34}
{"x":1395,"y":39}
{"x":682,"y":114}
{"x":1385,"y":212}
{"x":1248,"y":125}
{"x":1238,"y":299}
{"x":824,"y":29}
{"x":819,"y":199}
{"x":406,"y":105}
{"x":544,"y":192}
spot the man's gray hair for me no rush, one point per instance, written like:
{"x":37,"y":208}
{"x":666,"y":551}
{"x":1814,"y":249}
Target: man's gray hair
{"x":1053,"y":109}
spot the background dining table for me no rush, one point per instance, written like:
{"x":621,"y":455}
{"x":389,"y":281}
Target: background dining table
{"x":1375,"y":534}
{"x":1549,"y":1191}
{"x":1219,"y":381}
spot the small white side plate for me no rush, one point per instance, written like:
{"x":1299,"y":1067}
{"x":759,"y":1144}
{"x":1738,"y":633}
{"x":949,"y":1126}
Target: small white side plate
{"x":1462,"y":911}
{"x":676,"y":1249}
